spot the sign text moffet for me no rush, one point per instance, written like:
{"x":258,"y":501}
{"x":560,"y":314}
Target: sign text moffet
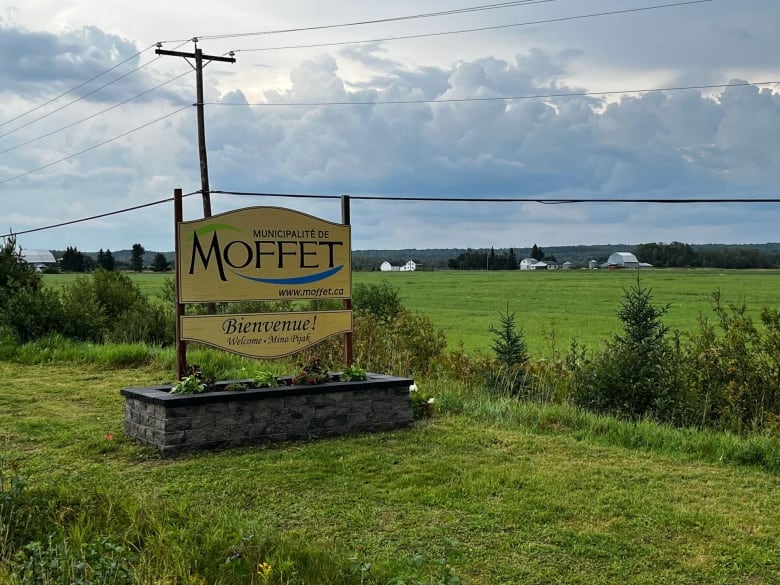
{"x":263,"y":253}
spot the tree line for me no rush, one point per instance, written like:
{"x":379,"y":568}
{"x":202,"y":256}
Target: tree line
{"x":492,"y":260}
{"x":679,"y":255}
{"x":72,"y":260}
{"x":660,"y":255}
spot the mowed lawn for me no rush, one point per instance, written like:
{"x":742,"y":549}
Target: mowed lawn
{"x":528,"y":505}
{"x":552,"y":307}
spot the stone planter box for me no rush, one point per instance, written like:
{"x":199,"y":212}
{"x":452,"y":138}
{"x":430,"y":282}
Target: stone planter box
{"x":175,"y":423}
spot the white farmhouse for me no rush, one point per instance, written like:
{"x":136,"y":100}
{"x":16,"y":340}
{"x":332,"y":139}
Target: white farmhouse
{"x":532,"y":264}
{"x":410,"y":266}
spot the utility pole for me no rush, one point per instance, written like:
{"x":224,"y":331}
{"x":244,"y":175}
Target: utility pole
{"x":199,"y":58}
{"x":211,"y":308}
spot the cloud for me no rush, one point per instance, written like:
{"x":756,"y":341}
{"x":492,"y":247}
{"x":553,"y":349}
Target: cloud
{"x":37,"y":62}
{"x":656,"y":144}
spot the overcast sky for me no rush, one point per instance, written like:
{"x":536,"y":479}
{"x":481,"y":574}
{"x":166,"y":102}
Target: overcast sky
{"x":128,"y":136}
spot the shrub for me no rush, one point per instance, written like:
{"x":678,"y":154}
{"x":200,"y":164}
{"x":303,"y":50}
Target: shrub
{"x":33,"y":313}
{"x":84,"y":318}
{"x":422,"y":402}
{"x":407,"y":346}
{"x":106,"y":306}
{"x":147,"y":322}
{"x":15,"y":274}
{"x":733,"y":377}
{"x":509,"y":341}
{"x":636,"y":375}
{"x":507,"y":375}
{"x":115,"y":293}
{"x":383,"y":301}
{"x":24,"y":306}
{"x":419,"y":343}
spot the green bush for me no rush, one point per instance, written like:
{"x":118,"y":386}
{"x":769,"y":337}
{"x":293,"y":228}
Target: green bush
{"x":509,"y":342}
{"x":84,"y":318}
{"x":408,"y":346}
{"x":147,"y":322}
{"x":508,"y":374}
{"x":33,"y":313}
{"x":115,"y":292}
{"x":16,"y":275}
{"x":733,"y":376}
{"x":383,"y":301}
{"x":637,"y":373}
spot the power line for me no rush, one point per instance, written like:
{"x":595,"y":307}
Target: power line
{"x":94,"y":146}
{"x":93,"y":217}
{"x":71,"y":90}
{"x":420,"y":199}
{"x":498,"y":98}
{"x":95,"y":115}
{"x":543,"y":200}
{"x":480,"y":29}
{"x":78,"y":99}
{"x":376,"y":21}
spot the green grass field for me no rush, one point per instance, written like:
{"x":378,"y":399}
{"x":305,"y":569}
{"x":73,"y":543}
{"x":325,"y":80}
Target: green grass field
{"x":534,"y":495}
{"x":569,"y":304}
{"x":552,"y":307}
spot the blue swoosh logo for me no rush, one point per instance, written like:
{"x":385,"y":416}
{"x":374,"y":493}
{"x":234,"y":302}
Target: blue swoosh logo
{"x":308,"y":279}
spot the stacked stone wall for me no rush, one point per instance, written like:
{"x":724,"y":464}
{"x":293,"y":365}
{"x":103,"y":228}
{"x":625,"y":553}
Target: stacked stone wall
{"x":174,"y":423}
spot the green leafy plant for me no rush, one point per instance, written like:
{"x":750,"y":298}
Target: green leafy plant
{"x":422,"y":402}
{"x":353,"y":373}
{"x":264,"y":379}
{"x":436,"y":571}
{"x":191,"y":384}
{"x":312,"y":371}
{"x":383,"y":301}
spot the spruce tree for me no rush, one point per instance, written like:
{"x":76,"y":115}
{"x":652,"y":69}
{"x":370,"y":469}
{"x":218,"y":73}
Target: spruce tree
{"x":137,"y":258}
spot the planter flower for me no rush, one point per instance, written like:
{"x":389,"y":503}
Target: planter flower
{"x":422,"y":402}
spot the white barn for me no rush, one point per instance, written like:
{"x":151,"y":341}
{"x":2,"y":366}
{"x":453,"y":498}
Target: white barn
{"x":410,"y":266}
{"x":38,"y":258}
{"x":622,"y":260}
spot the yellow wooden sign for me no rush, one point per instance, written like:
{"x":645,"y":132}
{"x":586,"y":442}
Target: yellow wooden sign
{"x":266,"y":335}
{"x":263,"y":253}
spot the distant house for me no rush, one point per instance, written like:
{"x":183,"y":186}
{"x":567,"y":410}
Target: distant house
{"x":40,"y":259}
{"x":567,"y":265}
{"x":593,"y":264}
{"x":410,"y":266}
{"x":534,"y":264}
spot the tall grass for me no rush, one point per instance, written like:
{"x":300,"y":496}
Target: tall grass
{"x":485,"y":407}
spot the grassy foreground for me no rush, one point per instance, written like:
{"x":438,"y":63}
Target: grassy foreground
{"x":532,"y":494}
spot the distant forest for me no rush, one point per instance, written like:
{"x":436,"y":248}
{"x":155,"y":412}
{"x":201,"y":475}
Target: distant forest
{"x":660,"y":255}
{"x":672,"y":255}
